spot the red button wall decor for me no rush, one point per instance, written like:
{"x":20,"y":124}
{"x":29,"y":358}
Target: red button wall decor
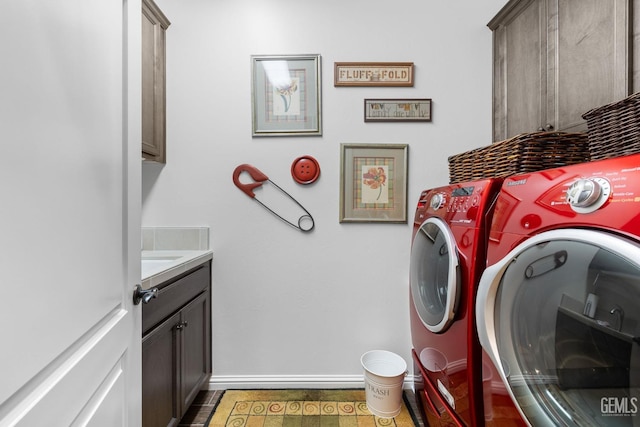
{"x":305,"y":170}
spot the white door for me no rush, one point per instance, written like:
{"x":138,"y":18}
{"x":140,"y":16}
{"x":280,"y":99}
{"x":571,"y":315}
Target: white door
{"x":69,"y":212}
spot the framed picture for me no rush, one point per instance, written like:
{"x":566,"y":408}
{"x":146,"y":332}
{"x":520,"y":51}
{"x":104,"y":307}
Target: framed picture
{"x":286,"y":95}
{"x":373,"y":74}
{"x":373,"y":183}
{"x":397,"y":110}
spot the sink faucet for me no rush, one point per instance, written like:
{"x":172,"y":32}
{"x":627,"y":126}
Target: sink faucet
{"x":618,"y":312}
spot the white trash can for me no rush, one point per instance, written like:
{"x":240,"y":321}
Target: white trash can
{"x":384,"y":374}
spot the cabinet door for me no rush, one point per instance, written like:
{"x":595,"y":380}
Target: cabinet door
{"x":154,"y":25}
{"x":589,"y":56}
{"x":519,"y":40}
{"x":160,"y":376}
{"x":196,"y":347}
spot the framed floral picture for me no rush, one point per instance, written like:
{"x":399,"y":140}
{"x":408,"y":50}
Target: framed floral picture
{"x":373,"y":183}
{"x":286,"y":95}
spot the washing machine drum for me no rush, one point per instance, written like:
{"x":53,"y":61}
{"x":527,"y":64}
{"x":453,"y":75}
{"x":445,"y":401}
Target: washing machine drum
{"x":434,"y":275}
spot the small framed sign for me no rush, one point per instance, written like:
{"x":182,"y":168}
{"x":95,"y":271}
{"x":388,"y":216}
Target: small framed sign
{"x":373,"y":74}
{"x":397,"y":110}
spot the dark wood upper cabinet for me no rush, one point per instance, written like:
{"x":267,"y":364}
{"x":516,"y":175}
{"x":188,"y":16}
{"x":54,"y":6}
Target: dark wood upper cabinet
{"x":154,"y":26}
{"x":554,"y":60}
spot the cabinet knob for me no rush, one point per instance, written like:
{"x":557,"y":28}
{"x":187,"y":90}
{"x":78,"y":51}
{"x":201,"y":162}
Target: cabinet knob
{"x":182,"y":325}
{"x":546,"y":128}
{"x":144,"y":295}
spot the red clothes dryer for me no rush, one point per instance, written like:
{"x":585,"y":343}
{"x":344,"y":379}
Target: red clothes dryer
{"x":558,"y":306}
{"x":447,"y":258}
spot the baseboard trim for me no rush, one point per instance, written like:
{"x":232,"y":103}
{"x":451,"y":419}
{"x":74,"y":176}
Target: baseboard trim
{"x":224,"y":382}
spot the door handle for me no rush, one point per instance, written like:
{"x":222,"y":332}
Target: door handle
{"x":144,"y":295}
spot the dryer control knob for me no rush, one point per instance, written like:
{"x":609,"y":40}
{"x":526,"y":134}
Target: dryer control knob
{"x":588,"y":194}
{"x":437,"y":201}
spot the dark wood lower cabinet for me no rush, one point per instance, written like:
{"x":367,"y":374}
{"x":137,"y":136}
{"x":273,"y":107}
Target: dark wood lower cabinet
{"x":176,"y":347}
{"x":160,"y":363}
{"x":196,"y":357}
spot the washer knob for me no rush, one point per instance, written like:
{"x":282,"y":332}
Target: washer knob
{"x":437,"y":201}
{"x":588,"y":194}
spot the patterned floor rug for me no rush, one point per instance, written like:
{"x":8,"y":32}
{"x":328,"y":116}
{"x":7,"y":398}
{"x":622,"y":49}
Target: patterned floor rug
{"x":300,"y":408}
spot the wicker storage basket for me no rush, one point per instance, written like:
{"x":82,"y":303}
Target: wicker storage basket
{"x":614,"y":129}
{"x":527,"y":152}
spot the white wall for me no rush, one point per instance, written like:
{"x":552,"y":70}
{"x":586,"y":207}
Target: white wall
{"x":296,"y":305}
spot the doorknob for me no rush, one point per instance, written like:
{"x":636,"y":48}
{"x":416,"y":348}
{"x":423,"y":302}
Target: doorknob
{"x":144,"y":295}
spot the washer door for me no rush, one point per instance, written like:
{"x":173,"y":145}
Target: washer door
{"x":560,"y":318}
{"x":434,"y":275}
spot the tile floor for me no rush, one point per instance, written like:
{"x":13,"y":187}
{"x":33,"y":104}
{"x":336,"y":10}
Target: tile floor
{"x":199,"y":411}
{"x":206,"y":400}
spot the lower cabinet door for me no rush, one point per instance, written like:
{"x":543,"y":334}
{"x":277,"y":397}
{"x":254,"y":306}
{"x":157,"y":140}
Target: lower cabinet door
{"x":196,"y":348}
{"x":160,"y":402}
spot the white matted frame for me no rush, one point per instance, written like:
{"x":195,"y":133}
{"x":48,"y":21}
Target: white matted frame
{"x":373,"y":183}
{"x":286,"y":95}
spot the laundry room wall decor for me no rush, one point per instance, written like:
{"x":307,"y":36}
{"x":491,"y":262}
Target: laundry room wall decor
{"x":286,"y":95}
{"x":373,"y":183}
{"x":373,"y":74}
{"x":397,"y":110}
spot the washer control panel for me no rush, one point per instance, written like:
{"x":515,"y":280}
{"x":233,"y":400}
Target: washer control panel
{"x":460,"y":203}
{"x":464,"y":198}
{"x":449,"y":201}
{"x":458,"y":200}
{"x":587,"y":195}
{"x":602,"y":194}
{"x":437,"y":201}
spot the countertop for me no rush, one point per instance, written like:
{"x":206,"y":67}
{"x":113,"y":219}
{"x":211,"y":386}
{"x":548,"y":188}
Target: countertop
{"x":158,"y":266}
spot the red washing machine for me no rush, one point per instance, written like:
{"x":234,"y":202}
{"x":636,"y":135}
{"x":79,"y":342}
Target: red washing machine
{"x":558,"y":306}
{"x":447,"y":258}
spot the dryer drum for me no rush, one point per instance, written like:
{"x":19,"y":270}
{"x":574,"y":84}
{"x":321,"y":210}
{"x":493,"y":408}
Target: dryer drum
{"x":589,"y":357}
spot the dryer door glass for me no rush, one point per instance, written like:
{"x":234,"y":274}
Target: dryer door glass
{"x":434,"y":275}
{"x":567,"y":329}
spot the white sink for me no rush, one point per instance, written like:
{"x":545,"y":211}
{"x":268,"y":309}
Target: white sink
{"x":158,"y":266}
{"x":153,"y":265}
{"x":154,"y":258}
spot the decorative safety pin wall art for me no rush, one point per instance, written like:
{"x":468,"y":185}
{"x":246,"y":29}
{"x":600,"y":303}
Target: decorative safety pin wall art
{"x":304,"y":223}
